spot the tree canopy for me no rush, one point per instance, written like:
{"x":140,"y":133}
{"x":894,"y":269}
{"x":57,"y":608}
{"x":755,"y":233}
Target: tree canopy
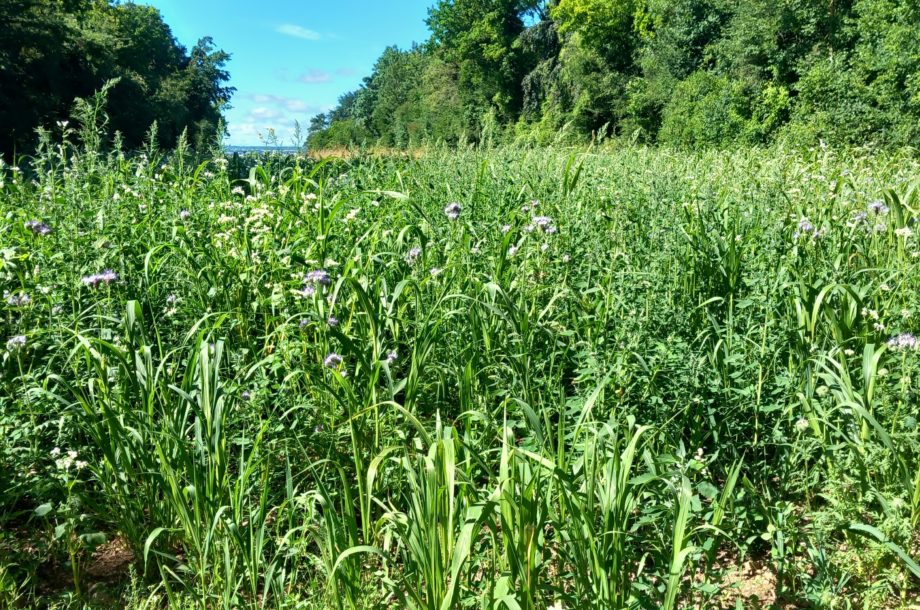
{"x":53,"y":51}
{"x":681,"y":72}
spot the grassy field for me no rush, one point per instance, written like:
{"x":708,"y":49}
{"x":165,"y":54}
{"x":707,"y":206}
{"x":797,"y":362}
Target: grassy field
{"x":506,"y":378}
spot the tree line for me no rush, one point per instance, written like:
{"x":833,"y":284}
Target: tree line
{"x":678,"y":72}
{"x":54,"y":51}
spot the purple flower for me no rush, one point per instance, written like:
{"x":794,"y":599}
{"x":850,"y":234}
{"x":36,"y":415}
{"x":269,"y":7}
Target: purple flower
{"x":545,"y":223}
{"x":903,"y":341}
{"x":304,"y":323}
{"x":17,"y":300}
{"x":185,"y":214}
{"x":805,"y":226}
{"x":860,"y":217}
{"x":332,"y":321}
{"x":246,"y":395}
{"x":413,"y":255}
{"x":106,"y":277}
{"x":172,"y":300}
{"x":320,"y":276}
{"x":452,"y":210}
{"x":878,"y":208}
{"x":391,"y":357}
{"x":37,"y":227}
{"x":332,"y":360}
{"x":15,"y":343}
{"x":506,"y":228}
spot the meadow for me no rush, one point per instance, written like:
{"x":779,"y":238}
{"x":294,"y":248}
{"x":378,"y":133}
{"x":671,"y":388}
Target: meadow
{"x":524,"y":378}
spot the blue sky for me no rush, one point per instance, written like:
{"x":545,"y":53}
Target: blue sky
{"x":293,"y":59}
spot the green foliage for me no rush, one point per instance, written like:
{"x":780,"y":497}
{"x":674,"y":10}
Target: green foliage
{"x":52,"y":52}
{"x":600,"y":379}
{"x":755,"y":71}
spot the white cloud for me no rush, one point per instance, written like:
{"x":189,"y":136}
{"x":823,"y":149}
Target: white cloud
{"x":315,"y":76}
{"x":290,"y":29}
{"x":291,"y":104}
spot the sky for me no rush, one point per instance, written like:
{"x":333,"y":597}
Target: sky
{"x":292,"y":59}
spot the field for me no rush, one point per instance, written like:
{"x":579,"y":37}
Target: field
{"x":479,"y":378}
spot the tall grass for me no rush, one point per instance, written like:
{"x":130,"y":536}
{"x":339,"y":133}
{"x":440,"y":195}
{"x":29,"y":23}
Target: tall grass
{"x":615,"y":375}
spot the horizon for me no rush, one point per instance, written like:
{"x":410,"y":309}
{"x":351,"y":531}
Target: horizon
{"x":293,"y":61}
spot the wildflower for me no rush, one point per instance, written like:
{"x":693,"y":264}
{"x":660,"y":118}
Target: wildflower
{"x":512,"y":251}
{"x":304,"y":323}
{"x":435,"y":271}
{"x":804,"y":228}
{"x":106,"y":277}
{"x":17,"y":300}
{"x":879,"y":327}
{"x":332,"y":321}
{"x":352,"y":215}
{"x":904,"y":341}
{"x":878,"y":208}
{"x":246,"y":395}
{"x":474,"y":250}
{"x":319,"y":276}
{"x":452,"y":210}
{"x":308,"y":291}
{"x":545,"y":223}
{"x":37,"y":227}
{"x":56,"y":452}
{"x":332,"y":360}
{"x":566,"y":258}
{"x":16,"y":343}
{"x":905,"y":313}
{"x":849,"y":352}
{"x":544,"y":247}
{"x":801,"y":425}
{"x":413,"y":255}
{"x":391,"y":357}
{"x":238,"y":190}
{"x":185,"y":214}
{"x":172,"y":300}
{"x":904,"y":232}
{"x":506,"y":228}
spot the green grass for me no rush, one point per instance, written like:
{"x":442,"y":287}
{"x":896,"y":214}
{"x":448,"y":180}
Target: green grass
{"x":686,"y":366}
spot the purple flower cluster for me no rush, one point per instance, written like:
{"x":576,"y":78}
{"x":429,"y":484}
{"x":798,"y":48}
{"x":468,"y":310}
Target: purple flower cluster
{"x":332,"y":361}
{"x":17,"y":300}
{"x":319,"y":276}
{"x":904,"y":341}
{"x":94,"y":281}
{"x":452,"y":210}
{"x":37,"y":227}
{"x":413,"y":255}
{"x":878,"y":208}
{"x":545,"y":224}
{"x":15,"y":343}
{"x":332,"y":321}
{"x":185,"y":215}
{"x":391,"y":357}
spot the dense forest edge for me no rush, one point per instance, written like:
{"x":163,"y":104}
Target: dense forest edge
{"x":698,"y":73}
{"x":53,"y":52}
{"x":677,"y":72}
